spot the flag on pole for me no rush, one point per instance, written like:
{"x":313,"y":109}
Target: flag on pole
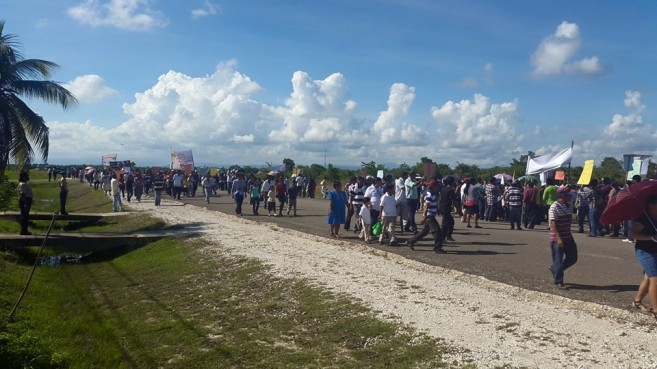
{"x":545,"y":163}
{"x":587,"y":173}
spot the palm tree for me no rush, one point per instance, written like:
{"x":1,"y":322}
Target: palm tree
{"x":20,"y":126}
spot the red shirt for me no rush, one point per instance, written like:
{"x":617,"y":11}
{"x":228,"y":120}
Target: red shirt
{"x":280,"y":189}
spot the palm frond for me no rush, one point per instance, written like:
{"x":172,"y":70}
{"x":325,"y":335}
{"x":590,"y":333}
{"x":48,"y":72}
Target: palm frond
{"x":48,"y":91}
{"x":34,"y":68}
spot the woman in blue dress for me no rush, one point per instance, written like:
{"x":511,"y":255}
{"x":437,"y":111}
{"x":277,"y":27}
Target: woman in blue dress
{"x":337,"y":206}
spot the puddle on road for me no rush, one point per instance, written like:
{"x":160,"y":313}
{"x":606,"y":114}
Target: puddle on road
{"x":61,"y":260}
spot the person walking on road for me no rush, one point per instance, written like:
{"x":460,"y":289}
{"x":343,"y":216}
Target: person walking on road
{"x":158,"y":187}
{"x":562,"y":243}
{"x":644,"y":231}
{"x":429,"y":219}
{"x":117,"y":204}
{"x":388,"y":215}
{"x":445,"y":207}
{"x":337,"y":209}
{"x":239,"y":190}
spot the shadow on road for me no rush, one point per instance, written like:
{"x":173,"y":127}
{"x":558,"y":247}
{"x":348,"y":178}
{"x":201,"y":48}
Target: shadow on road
{"x":616,"y":288}
{"x":494,"y":243}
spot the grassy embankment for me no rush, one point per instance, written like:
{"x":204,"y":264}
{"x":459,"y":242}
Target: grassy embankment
{"x":177,"y":304}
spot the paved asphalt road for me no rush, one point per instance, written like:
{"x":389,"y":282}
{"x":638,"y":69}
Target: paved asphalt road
{"x":606,"y":273}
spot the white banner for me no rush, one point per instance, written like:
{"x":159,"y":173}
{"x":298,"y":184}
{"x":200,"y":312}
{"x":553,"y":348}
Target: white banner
{"x":106,"y":158}
{"x":544,"y":163}
{"x":182,"y":160}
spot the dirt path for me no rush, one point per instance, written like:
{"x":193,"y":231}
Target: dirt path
{"x":496,"y":324}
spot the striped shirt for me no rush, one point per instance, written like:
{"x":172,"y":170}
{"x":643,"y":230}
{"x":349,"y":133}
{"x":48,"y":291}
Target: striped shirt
{"x":584,"y":196}
{"x":513,"y":196}
{"x":492,"y":193}
{"x":562,"y":215}
{"x":431,"y":203}
{"x":357,"y":194}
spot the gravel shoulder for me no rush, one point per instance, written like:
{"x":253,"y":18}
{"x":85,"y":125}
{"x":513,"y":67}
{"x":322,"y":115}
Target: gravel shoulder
{"x":495,"y":324}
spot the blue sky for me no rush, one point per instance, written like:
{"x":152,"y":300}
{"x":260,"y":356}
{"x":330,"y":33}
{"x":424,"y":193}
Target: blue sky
{"x":250,"y":82}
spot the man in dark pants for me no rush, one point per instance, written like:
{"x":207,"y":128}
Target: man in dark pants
{"x":429,"y":220}
{"x":63,"y":194}
{"x":24,"y":201}
{"x":445,"y":207}
{"x":562,"y":243}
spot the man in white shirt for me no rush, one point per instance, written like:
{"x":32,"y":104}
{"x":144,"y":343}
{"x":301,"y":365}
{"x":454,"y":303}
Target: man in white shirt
{"x":388,"y":215}
{"x":400,"y":197}
{"x":117,"y":204}
{"x":266,"y":184}
{"x":177,"y":185}
{"x":412,"y":202}
{"x":375,"y":192}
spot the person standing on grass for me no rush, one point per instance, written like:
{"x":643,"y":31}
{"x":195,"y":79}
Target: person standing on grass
{"x":337,"y":209}
{"x":117,"y":204}
{"x":562,"y":243}
{"x":388,"y":216}
{"x":63,"y":194}
{"x":158,"y":187}
{"x":24,"y":201}
{"x":429,"y":219}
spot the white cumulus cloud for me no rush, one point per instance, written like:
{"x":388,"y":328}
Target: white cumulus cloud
{"x":133,"y":15}
{"x":625,"y":134}
{"x":89,"y":88}
{"x":391,"y":125}
{"x":556,"y":52}
{"x":476,"y":129}
{"x":222,"y":120}
{"x":205,"y":11}
{"x":316,"y":112}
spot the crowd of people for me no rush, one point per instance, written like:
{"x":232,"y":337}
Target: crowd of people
{"x":373,"y":207}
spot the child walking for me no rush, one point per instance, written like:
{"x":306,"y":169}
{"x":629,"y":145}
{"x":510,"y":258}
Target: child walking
{"x":271,"y":201}
{"x":365,"y":219}
{"x":255,"y":198}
